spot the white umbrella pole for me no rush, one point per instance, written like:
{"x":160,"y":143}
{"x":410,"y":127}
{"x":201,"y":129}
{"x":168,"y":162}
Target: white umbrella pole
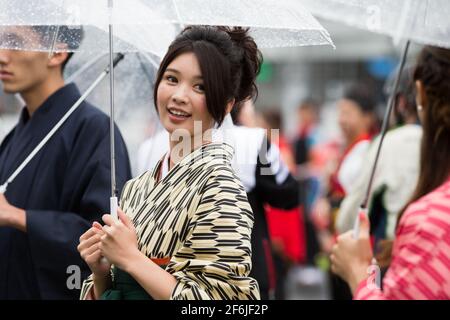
{"x":384,"y":128}
{"x":113,"y":199}
{"x":49,"y":135}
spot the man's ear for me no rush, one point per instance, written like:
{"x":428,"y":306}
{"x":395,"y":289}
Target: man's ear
{"x":57,"y":59}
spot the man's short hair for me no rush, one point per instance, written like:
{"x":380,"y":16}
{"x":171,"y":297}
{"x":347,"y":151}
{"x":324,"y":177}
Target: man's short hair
{"x":71,"y":36}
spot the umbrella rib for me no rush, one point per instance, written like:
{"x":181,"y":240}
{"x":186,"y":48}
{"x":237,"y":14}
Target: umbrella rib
{"x":55,"y":37}
{"x":384,"y":128}
{"x":177,"y":12}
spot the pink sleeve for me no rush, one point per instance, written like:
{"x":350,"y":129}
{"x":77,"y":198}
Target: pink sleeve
{"x":419,"y":270}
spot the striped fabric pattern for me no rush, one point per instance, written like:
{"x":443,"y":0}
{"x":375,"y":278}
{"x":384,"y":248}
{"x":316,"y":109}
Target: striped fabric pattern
{"x":420,"y":267}
{"x":197,"y":216}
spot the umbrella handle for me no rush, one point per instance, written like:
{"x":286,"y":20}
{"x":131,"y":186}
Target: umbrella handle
{"x":113,"y":207}
{"x":104,"y":261}
{"x":113,"y":211}
{"x":356,"y":225}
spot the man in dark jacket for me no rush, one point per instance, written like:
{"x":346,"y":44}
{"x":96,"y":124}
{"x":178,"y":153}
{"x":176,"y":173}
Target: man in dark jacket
{"x":65,"y":187}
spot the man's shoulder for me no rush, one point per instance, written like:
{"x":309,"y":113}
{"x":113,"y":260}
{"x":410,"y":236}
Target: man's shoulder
{"x":89,"y":112}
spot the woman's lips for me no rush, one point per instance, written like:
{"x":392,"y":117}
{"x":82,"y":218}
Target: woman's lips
{"x":181,"y":116}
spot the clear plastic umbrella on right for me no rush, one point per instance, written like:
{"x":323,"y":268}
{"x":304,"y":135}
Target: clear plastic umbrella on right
{"x":424,"y":22}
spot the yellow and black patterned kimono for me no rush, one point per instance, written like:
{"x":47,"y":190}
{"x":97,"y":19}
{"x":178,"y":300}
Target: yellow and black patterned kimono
{"x":198,"y":219}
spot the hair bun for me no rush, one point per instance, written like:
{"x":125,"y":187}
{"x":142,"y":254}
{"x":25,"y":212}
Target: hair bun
{"x":251,"y":61}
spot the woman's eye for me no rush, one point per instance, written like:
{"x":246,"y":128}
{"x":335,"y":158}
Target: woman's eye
{"x":171,"y":79}
{"x":200,"y":87}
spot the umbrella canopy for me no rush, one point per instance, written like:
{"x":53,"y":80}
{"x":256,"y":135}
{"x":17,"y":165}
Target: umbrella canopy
{"x":137,"y":23}
{"x":150,"y":25}
{"x":424,"y":22}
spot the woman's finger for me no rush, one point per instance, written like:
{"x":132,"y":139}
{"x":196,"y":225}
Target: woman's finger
{"x":97,"y":225}
{"x":109,"y":220}
{"x":86,"y":252}
{"x":87,"y":234}
{"x":89,"y":242}
{"x":125,"y":219}
{"x":107,"y":231}
{"x":94,"y":256}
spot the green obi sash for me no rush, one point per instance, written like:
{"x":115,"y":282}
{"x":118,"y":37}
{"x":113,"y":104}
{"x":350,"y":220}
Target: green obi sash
{"x":124,"y":287}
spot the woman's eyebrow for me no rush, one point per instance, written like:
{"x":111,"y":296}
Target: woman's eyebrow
{"x":198,"y":77}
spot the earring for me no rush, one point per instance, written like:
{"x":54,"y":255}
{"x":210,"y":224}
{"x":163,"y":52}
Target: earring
{"x":419,"y":107}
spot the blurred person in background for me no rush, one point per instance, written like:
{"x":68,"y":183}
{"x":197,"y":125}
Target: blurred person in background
{"x":396,"y":174}
{"x":420,"y":263}
{"x":286,"y":227}
{"x":356,"y":113}
{"x":308,"y":133}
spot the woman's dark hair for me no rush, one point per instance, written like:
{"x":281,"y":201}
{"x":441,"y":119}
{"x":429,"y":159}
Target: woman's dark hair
{"x":229,"y":60}
{"x":406,"y":91}
{"x":363,"y":96}
{"x":433,"y":70}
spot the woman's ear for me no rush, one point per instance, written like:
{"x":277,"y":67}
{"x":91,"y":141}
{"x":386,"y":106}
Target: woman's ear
{"x":230,"y":105}
{"x":421,"y":96}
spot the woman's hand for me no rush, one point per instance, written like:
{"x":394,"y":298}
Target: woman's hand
{"x":89,"y":249}
{"x":351,"y":258}
{"x":119,"y":242}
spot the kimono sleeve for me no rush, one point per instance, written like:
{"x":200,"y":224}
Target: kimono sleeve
{"x":215,"y":260}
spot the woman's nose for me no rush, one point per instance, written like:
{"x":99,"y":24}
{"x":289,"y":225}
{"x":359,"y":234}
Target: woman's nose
{"x":180,"y":95}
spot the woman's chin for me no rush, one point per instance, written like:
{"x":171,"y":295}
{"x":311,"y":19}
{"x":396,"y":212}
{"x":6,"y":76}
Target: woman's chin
{"x":178,"y":130}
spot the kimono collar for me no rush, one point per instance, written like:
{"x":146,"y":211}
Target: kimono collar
{"x":62,"y":100}
{"x":215,"y":150}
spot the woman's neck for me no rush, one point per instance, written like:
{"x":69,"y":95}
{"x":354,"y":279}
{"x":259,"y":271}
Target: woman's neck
{"x":183,"y":146}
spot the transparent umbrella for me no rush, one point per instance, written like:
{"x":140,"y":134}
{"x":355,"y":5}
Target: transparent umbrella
{"x":424,"y":22}
{"x":144,"y":23}
{"x":143,"y":26}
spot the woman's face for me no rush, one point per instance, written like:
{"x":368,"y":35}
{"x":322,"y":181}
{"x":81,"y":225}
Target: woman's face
{"x":352,"y":120}
{"x":181,"y":97}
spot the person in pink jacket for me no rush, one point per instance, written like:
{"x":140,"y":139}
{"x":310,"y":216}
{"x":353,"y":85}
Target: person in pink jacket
{"x":420,"y":265}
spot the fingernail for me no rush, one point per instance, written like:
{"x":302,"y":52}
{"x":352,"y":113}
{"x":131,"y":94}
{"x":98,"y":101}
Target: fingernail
{"x":362,"y":216}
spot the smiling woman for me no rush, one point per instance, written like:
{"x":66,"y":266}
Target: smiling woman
{"x":185,"y":228}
